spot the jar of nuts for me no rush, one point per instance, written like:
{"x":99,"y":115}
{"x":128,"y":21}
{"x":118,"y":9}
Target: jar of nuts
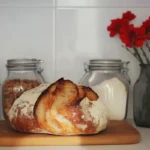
{"x":23,"y":74}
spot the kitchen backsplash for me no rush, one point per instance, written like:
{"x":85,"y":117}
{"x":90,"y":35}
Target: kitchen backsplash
{"x":65,"y":34}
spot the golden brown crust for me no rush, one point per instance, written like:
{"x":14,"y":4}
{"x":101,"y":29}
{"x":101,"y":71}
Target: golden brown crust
{"x":57,"y":110}
{"x":67,"y":89}
{"x":62,"y":99}
{"x":90,"y":94}
{"x":75,"y":116}
{"x":82,"y":93}
{"x":65,"y":93}
{"x":24,"y":124}
{"x":47,"y":95}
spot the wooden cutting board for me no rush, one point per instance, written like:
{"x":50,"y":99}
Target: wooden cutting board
{"x":117,"y":132}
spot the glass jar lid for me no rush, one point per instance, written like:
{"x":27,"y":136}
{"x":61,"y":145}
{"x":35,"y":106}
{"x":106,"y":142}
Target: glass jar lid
{"x":105,"y":64}
{"x":23,"y":63}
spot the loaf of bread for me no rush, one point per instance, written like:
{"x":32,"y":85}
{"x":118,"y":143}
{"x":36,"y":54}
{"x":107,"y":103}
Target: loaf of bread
{"x":62,"y":108}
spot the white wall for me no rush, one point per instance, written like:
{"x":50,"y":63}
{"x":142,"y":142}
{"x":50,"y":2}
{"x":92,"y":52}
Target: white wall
{"x":65,"y":34}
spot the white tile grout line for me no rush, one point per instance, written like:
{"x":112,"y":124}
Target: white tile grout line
{"x":75,"y":7}
{"x":71,"y":7}
{"x":54,"y":41}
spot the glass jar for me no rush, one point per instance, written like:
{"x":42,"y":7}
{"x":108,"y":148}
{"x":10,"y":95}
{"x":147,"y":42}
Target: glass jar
{"x":109,"y":79}
{"x":23,"y":74}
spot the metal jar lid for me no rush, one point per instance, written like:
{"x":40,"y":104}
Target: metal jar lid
{"x":23,"y":63}
{"x":105,"y":64}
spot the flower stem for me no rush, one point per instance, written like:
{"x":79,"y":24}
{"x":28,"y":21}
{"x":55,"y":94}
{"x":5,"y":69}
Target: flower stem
{"x":140,"y":58}
{"x":133,"y":53}
{"x":147,"y":45}
{"x":144,"y":54}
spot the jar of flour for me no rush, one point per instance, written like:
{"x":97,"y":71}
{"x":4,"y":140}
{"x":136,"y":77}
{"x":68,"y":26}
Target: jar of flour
{"x":109,"y":79}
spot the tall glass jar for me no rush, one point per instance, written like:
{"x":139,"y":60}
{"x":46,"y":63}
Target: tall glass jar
{"x":109,"y":79}
{"x":23,"y":74}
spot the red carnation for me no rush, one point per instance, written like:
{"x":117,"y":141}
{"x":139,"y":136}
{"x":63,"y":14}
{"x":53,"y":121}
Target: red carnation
{"x":116,"y":24}
{"x":132,"y":36}
{"x":146,"y":25}
{"x":148,"y":36}
{"x":128,"y":15}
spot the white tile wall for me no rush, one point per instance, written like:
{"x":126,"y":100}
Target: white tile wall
{"x":26,"y":32}
{"x":27,"y":3}
{"x":65,"y":33}
{"x":81,"y":34}
{"x":103,"y":3}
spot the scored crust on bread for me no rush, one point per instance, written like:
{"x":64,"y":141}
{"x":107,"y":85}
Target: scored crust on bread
{"x":48,"y":104}
{"x":53,"y":112}
{"x":82,"y":93}
{"x":90,"y":94}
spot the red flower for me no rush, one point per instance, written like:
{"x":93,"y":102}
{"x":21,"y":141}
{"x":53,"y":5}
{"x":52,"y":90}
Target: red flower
{"x":116,"y":25}
{"x":128,"y":15}
{"x":146,"y":25}
{"x":132,"y":36}
{"x":148,"y":36}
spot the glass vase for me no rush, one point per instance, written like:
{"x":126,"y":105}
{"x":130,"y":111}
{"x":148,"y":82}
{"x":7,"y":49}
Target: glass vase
{"x":141,"y":98}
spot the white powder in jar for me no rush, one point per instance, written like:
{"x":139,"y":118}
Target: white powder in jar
{"x":113,"y":94}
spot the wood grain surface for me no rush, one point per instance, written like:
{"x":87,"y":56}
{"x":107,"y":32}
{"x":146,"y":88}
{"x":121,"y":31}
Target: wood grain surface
{"x":117,"y":132}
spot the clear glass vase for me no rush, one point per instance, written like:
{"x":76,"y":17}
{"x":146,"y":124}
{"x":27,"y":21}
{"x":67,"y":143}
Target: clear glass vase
{"x":141,"y":97}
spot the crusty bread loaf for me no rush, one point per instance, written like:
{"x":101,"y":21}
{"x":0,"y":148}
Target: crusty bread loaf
{"x":62,"y":108}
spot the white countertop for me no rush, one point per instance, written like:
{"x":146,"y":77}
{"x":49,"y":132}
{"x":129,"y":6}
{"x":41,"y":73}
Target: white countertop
{"x":143,"y":145}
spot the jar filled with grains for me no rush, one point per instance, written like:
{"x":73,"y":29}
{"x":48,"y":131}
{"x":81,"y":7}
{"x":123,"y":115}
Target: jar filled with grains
{"x":23,"y":75}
